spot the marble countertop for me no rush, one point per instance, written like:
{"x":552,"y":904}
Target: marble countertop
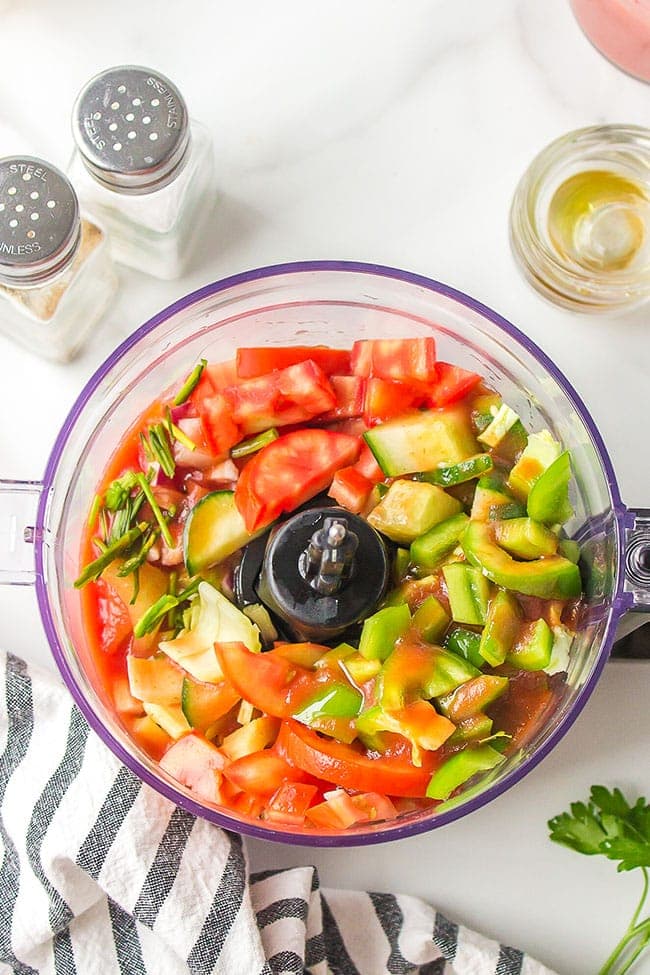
{"x":392,"y":133}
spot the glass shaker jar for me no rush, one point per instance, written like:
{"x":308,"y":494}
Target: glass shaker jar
{"x":580,"y":219}
{"x":143,"y":167}
{"x":56,"y":273}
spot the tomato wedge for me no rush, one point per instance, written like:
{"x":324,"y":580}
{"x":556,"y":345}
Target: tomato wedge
{"x":261,"y":773}
{"x":259,"y":361}
{"x":401,"y":359}
{"x":220,"y":431}
{"x":290,"y":471}
{"x":289,"y":803}
{"x":345,"y":766}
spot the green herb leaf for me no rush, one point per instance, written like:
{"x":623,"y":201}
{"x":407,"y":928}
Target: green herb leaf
{"x":190,"y":383}
{"x":580,"y":831}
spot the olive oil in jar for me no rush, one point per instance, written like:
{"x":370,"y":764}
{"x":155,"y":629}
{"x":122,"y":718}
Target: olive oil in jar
{"x":601,"y":221}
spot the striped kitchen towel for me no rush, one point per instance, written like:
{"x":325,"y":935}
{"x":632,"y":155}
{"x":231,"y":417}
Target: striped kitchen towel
{"x":100,"y":874}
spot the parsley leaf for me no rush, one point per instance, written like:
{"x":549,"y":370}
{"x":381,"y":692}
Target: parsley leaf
{"x":610,"y":826}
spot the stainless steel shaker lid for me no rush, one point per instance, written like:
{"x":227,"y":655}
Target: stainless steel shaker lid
{"x":131,"y":127}
{"x":39,"y":220}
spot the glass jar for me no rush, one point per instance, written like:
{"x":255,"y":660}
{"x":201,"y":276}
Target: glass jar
{"x":56,"y":273}
{"x":580,"y":219}
{"x":619,"y":29}
{"x":143,"y":167}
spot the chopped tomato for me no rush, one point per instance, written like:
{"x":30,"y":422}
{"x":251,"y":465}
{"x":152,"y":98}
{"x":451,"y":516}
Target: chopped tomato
{"x":450,"y":383}
{"x":349,"y":392}
{"x":350,"y":489}
{"x":386,"y":398}
{"x":289,"y":803}
{"x":368,"y":466}
{"x":259,"y":361}
{"x":290,"y":471}
{"x":115,"y":627}
{"x":222,"y":374}
{"x":352,"y":769}
{"x":279,"y":398}
{"x":401,"y":359}
{"x":198,"y":764}
{"x":219,"y":429}
{"x":341,"y":810}
{"x":269,"y":681}
{"x":261,"y":772}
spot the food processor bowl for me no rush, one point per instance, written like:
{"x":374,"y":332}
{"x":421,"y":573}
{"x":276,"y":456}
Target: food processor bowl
{"x":332,"y":303}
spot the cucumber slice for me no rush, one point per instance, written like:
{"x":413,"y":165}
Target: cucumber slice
{"x":213,"y":531}
{"x":422,"y":441}
{"x":502,"y":421}
{"x":204,"y":703}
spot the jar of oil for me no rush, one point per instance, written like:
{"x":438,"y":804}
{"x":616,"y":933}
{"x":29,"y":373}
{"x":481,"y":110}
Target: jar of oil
{"x":580,"y":219}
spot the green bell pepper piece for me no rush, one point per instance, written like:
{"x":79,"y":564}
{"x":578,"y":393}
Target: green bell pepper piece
{"x":533,"y":649}
{"x":501,"y":628}
{"x":381,"y":631}
{"x":430,"y":620}
{"x":466,"y":644}
{"x":548,"y":500}
{"x":469,"y":592}
{"x":461,"y":767}
{"x":473,"y":696}
{"x":334,"y":701}
{"x":476,"y":727}
{"x":430,"y":549}
{"x":464,"y":470}
{"x":569,"y":549}
{"x":417,"y":670}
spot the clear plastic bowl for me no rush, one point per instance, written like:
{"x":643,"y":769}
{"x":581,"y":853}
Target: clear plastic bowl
{"x":333,"y":303}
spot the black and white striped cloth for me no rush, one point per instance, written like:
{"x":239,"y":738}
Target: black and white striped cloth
{"x":100,"y":874}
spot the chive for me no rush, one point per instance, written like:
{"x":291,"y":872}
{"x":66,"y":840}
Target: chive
{"x":134,"y":563}
{"x":136,"y":586}
{"x":148,"y":493}
{"x":190,"y":383}
{"x":153,"y":616}
{"x":94,"y":569}
{"x":103,"y":519}
{"x":118,"y":491}
{"x":146,"y":446}
{"x":161,"y":449}
{"x":94,"y":511}
{"x":172,"y":584}
{"x":254,"y":444}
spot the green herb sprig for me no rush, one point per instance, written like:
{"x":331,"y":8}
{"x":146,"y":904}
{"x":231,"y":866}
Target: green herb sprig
{"x":111,"y":552}
{"x":190,"y":383}
{"x":156,"y":613}
{"x":158,"y":449}
{"x":609,"y":826}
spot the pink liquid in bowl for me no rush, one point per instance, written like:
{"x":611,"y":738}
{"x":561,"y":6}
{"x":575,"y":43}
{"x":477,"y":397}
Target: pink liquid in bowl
{"x":620,"y":29}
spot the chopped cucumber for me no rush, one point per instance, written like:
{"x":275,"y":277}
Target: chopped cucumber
{"x":203,"y":703}
{"x":411,"y":508}
{"x":492,"y":501}
{"x":213,"y":531}
{"x":548,"y":500}
{"x":422,"y":441}
{"x":539,"y":453}
{"x":168,"y":717}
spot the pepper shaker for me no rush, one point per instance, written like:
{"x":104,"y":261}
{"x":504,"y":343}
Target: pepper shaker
{"x":56,"y":273}
{"x":143,"y":166}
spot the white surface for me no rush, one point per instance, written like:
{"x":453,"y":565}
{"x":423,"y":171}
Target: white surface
{"x":395,"y":133}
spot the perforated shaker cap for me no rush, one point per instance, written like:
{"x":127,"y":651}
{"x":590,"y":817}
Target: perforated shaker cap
{"x":39,"y":220}
{"x":131,"y":128}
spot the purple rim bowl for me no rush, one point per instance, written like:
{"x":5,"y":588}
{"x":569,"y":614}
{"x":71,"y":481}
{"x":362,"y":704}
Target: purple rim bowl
{"x":618,"y":603}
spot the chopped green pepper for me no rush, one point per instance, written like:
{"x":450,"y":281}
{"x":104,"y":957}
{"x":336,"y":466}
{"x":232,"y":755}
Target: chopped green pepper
{"x":461,"y":767}
{"x":473,"y":696}
{"x":469,"y":592}
{"x":466,"y":644}
{"x":334,"y":701}
{"x":548,"y":500}
{"x":430,"y":549}
{"x":418,"y":670}
{"x":501,"y":627}
{"x":382,"y":629}
{"x":533,"y":649}
{"x":464,"y":470}
{"x":430,"y":620}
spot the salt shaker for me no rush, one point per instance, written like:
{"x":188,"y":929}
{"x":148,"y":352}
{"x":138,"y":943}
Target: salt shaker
{"x":143,"y":167}
{"x":56,"y":273}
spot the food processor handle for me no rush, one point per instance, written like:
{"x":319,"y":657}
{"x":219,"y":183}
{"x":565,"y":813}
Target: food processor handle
{"x":637,"y":560}
{"x":18,"y":504}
